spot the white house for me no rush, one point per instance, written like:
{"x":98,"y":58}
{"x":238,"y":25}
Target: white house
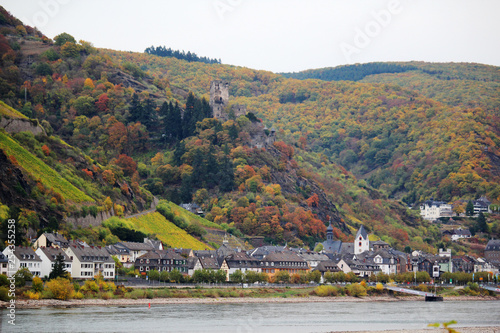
{"x":4,"y":262}
{"x":242,"y":262}
{"x":482,"y":205}
{"x":91,"y":261}
{"x":48,"y":256}
{"x":24,"y":257}
{"x":432,"y":210}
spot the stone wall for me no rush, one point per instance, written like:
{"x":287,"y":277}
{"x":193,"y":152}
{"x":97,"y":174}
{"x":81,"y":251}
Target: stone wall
{"x":90,"y":220}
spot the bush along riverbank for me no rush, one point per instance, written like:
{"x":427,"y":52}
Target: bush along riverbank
{"x":64,"y":289}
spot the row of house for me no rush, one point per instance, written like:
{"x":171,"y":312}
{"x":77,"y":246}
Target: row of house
{"x":80,"y":262}
{"x":432,"y":210}
{"x":361,"y":257}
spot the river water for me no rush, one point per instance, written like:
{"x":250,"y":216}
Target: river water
{"x":255,"y":317}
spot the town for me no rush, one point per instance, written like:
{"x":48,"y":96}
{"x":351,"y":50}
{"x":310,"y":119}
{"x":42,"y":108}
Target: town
{"x":361,"y":259}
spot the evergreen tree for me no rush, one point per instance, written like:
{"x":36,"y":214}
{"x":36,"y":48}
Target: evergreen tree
{"x":180,"y":150}
{"x":135,"y":109}
{"x":207,"y":110}
{"x":189,"y":120}
{"x":226,"y":175}
{"x":186,"y":193}
{"x":149,"y":115}
{"x":482,"y":225}
{"x":176,"y":121}
{"x":469,"y":209}
{"x":58,"y":269}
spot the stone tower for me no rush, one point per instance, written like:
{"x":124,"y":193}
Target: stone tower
{"x":219,"y":98}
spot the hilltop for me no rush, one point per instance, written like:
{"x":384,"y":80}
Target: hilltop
{"x":130,"y":126}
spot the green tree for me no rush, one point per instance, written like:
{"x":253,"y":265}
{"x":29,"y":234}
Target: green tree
{"x":63,"y":38}
{"x":220,"y":276}
{"x":164,"y":276}
{"x":282,"y":277}
{"x":175,"y":276}
{"x":154,"y":275}
{"x":482,"y":225}
{"x":314,"y":276}
{"x":469,"y":209}
{"x":236,"y":277}
{"x":58,"y":269}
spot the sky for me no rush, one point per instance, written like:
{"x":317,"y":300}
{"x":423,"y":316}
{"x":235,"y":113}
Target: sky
{"x":280,"y":35}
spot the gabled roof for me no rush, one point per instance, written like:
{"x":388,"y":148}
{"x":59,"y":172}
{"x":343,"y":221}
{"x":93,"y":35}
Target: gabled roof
{"x":362,"y":232}
{"x":136,"y":246}
{"x":265,"y":250}
{"x":285,"y":256}
{"x":313,"y":256}
{"x":347,"y":248}
{"x":205,"y":253}
{"x":91,"y":254}
{"x":379,"y":242}
{"x":209,"y":263}
{"x":328,"y":266}
{"x":26,"y":254}
{"x":192,"y":261}
{"x":493,"y":245}
{"x":51,"y":253}
{"x":241,"y":260}
{"x":332,"y":246}
{"x":55,"y":238}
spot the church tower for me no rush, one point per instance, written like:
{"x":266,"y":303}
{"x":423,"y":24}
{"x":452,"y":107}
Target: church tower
{"x":219,"y":98}
{"x":361,"y":242}
{"x":329,"y":232}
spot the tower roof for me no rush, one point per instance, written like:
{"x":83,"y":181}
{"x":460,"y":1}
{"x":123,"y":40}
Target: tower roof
{"x":329,"y":228}
{"x":362,"y":232}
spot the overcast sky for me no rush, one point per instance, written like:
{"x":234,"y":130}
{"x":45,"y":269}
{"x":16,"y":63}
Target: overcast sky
{"x":281,"y":35}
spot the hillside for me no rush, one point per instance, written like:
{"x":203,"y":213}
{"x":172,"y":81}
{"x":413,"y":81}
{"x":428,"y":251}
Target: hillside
{"x":129,"y":126}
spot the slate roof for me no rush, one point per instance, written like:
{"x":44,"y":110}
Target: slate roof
{"x":285,"y":260}
{"x":312,"y":256}
{"x":362,"y":232}
{"x":209,"y":263}
{"x":26,"y":254}
{"x":263,"y":251}
{"x":56,"y":238}
{"x":347,"y":248}
{"x":327,"y":266}
{"x":332,"y":246}
{"x":493,"y":245}
{"x":205,"y":253}
{"x":242,"y":260}
{"x":52,"y":253}
{"x":191,"y":262}
{"x":136,"y":246}
{"x":91,"y":254}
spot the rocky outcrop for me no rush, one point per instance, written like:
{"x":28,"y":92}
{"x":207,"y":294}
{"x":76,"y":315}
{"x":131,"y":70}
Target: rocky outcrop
{"x":21,"y":125}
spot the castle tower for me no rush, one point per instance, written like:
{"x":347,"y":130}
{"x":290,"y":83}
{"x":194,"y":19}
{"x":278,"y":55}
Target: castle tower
{"x":361,"y":242}
{"x":219,"y":98}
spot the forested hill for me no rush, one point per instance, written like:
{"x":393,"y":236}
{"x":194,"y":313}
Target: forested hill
{"x":129,"y":126}
{"x":350,"y":72}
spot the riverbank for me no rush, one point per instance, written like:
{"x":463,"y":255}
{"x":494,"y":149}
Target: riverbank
{"x":20,"y":304}
{"x":490,"y":329}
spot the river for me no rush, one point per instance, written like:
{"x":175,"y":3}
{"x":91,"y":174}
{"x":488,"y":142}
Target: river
{"x":255,"y":317}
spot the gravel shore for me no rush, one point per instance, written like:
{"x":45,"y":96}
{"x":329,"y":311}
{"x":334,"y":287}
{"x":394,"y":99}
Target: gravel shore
{"x":490,"y":329}
{"x":145,"y":301}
